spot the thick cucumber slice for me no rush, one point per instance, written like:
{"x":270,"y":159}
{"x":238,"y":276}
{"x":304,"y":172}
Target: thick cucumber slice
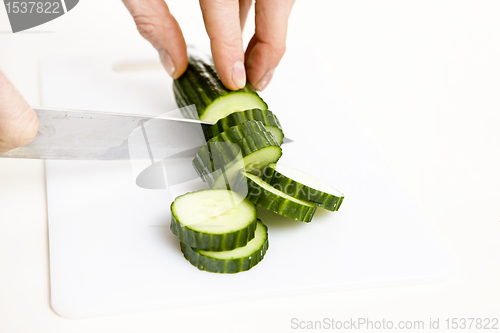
{"x":223,"y":177}
{"x":247,"y":146}
{"x":234,"y":261}
{"x":200,"y":85}
{"x":302,"y":186}
{"x":213,"y":220}
{"x":264,"y":195}
{"x":269,"y":120}
{"x":244,"y":130}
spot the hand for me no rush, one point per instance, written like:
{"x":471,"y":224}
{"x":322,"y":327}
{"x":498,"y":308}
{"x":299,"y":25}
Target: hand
{"x":18,"y":121}
{"x":224,"y":20}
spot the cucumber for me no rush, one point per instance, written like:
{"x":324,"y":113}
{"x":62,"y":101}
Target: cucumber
{"x":269,"y":120}
{"x":247,"y":146}
{"x":264,"y":195}
{"x":200,"y":85}
{"x":302,"y":186}
{"x":213,"y":220}
{"x":234,"y":261}
{"x":244,"y":131}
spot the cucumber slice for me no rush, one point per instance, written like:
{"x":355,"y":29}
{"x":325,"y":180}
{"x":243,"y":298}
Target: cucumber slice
{"x":302,"y":186}
{"x":234,"y":261}
{"x":264,"y":195}
{"x":269,"y":120}
{"x":244,"y":130}
{"x":200,"y":85}
{"x":224,"y":176}
{"x":213,"y":220}
{"x":247,"y":146}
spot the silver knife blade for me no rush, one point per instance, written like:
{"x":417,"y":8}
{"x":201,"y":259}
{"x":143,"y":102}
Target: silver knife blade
{"x":91,"y":135}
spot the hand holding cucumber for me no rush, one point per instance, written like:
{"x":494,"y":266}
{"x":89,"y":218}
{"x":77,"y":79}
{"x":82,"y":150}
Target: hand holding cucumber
{"x":224,"y":20}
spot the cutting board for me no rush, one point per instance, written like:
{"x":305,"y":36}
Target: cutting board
{"x":111,"y":250}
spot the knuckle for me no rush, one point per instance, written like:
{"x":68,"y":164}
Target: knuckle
{"x":273,"y":50}
{"x":230,"y":43}
{"x":147,"y":27}
{"x":280,"y":50}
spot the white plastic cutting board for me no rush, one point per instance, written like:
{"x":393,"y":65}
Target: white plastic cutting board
{"x":111,"y":250}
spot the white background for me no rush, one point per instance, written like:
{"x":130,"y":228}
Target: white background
{"x":424,"y":76}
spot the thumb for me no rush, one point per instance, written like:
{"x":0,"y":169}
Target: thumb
{"x":18,"y":121}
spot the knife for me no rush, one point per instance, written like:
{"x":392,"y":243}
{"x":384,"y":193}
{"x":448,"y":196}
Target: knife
{"x":91,"y":135}
{"x":158,"y":147}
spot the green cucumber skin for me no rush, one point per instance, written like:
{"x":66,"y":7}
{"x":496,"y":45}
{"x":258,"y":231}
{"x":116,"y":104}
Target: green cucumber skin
{"x":272,"y":202}
{"x":247,"y":138}
{"x":211,"y":175}
{"x":213,"y":265}
{"x":211,"y":242}
{"x":265,"y":116}
{"x":244,"y":131}
{"x":200,"y":85}
{"x":300,"y":191}
{"x":213,"y":159}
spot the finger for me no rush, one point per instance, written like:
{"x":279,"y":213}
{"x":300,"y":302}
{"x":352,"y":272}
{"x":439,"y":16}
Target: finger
{"x":222,"y":21}
{"x":268,"y":45}
{"x":244,"y":8}
{"x":18,"y":121}
{"x":157,"y":25}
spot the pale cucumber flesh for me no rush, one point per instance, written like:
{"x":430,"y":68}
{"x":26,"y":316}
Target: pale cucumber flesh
{"x":214,"y":212}
{"x":253,"y":163}
{"x":233,"y":102}
{"x":275,"y":191}
{"x":277,"y":133}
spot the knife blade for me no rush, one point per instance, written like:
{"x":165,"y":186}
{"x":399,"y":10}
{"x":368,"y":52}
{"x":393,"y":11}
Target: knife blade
{"x":66,"y":134}
{"x":92,"y":135}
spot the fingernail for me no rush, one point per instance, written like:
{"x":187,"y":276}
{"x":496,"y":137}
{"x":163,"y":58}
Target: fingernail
{"x":239,"y":76}
{"x":265,"y":80}
{"x":166,"y":61}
